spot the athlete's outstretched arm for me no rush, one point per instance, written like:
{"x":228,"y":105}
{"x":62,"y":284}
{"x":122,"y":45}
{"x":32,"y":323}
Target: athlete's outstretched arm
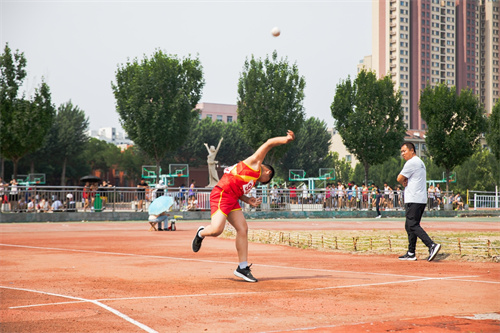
{"x":256,"y":159}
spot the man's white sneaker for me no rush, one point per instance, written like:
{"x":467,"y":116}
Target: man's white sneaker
{"x":407,"y":256}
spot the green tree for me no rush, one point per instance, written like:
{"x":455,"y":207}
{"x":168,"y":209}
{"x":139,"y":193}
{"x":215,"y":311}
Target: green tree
{"x":192,"y":151}
{"x":310,"y":151}
{"x":70,"y":127}
{"x":381,"y":173}
{"x":478,"y":172}
{"x":12,"y":74}
{"x":156,"y":101}
{"x":270,"y":95}
{"x":369,"y":118}
{"x":493,"y":131}
{"x":45,"y":159}
{"x":24,"y":123}
{"x":455,"y":123}
{"x":102,"y":155}
{"x":204,"y":131}
{"x":434,"y":171}
{"x":131,"y":161}
{"x":235,"y":147}
{"x":343,"y":169}
{"x":61,"y":156}
{"x":493,"y":134}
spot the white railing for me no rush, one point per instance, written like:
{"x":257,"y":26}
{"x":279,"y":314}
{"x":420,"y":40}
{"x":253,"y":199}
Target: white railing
{"x":486,"y":200}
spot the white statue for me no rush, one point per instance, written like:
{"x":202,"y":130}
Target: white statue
{"x":212,"y":170}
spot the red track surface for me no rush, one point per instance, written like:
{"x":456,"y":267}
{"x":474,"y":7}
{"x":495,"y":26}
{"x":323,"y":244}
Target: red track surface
{"x":110,"y":277}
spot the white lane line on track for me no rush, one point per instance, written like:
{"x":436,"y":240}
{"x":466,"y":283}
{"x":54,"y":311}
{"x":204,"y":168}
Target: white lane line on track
{"x":104,"y":306}
{"x":219,"y":262}
{"x":460,"y":279}
{"x":246,"y":293}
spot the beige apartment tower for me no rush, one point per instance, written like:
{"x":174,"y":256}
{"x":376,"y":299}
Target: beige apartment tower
{"x":426,"y":42}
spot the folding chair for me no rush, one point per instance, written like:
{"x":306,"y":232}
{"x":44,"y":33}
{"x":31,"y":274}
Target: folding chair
{"x":153,"y":226}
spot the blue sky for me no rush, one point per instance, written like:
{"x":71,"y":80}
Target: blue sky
{"x":76,"y":46}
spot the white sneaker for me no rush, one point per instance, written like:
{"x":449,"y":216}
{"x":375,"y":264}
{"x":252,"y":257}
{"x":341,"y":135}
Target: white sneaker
{"x":378,"y":216}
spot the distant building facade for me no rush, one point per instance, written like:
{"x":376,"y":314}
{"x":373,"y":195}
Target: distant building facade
{"x":366,"y":64}
{"x":337,"y":146}
{"x":111,"y":135}
{"x":218,"y":112}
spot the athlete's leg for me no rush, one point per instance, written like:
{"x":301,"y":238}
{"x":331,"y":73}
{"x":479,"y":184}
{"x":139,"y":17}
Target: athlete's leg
{"x":238,"y":221}
{"x":216,"y":226}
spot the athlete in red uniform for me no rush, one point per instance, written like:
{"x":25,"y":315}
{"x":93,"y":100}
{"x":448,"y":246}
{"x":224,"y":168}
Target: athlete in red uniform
{"x":237,"y":181}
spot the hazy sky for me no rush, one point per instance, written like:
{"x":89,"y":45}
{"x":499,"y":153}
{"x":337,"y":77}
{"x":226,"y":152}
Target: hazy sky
{"x":76,"y":46}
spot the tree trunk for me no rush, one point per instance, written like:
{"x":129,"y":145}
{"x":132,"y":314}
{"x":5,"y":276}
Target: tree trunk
{"x":157,"y":181}
{"x":367,"y":167}
{"x":2,"y":168}
{"x":32,"y":166}
{"x":447,"y":175}
{"x":63,"y":174}
{"x":15,"y":161}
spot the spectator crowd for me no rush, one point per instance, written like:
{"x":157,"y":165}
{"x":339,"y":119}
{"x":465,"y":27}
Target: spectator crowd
{"x":333,"y":197}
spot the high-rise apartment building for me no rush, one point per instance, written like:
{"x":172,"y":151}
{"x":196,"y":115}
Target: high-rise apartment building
{"x":489,"y":66}
{"x":426,"y":42}
{"x":478,"y":49}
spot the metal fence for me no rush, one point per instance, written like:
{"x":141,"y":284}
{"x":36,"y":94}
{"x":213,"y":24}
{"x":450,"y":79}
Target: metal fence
{"x":43,"y":199}
{"x":484,"y":200}
{"x":324,"y":200}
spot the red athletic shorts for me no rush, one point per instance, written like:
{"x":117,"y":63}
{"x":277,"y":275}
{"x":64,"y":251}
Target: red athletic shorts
{"x":221,"y":201}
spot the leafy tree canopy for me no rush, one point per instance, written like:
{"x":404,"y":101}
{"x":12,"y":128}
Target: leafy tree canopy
{"x":24,"y":123}
{"x":493,"y":130}
{"x":156,"y":100}
{"x":455,"y":123}
{"x":343,"y":169}
{"x":310,"y":150}
{"x":131,"y":161}
{"x":234,"y":147}
{"x":101,"y":155}
{"x":270,"y":96}
{"x":369,"y":118}
{"x":70,"y":125}
{"x":381,"y":173}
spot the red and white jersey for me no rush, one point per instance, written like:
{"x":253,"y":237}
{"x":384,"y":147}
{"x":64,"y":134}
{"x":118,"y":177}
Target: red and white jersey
{"x":238,"y":179}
